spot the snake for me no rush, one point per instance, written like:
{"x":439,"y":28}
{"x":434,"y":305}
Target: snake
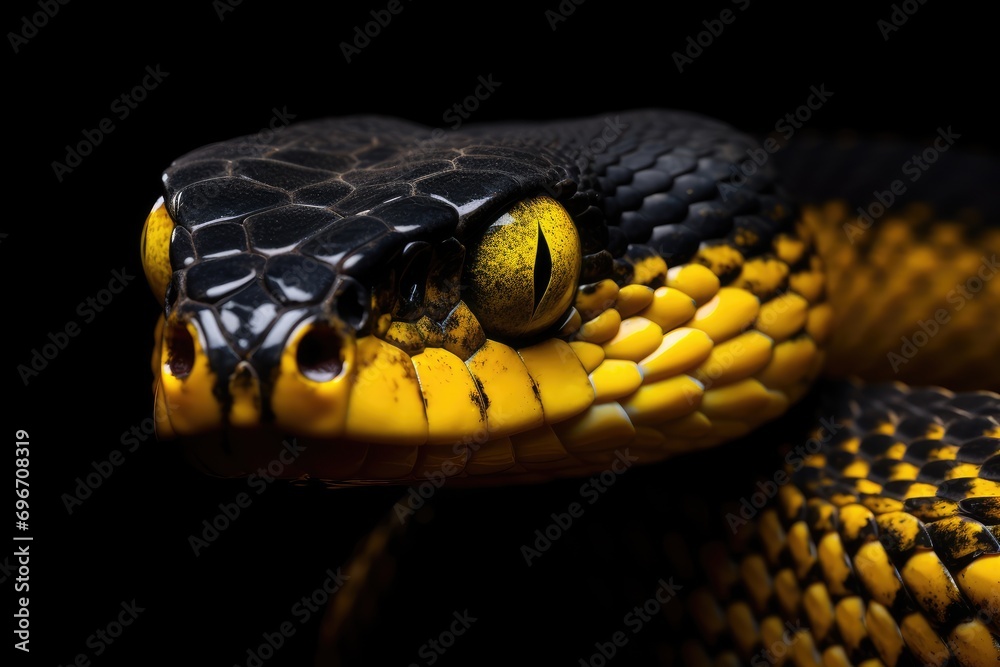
{"x":512,"y":304}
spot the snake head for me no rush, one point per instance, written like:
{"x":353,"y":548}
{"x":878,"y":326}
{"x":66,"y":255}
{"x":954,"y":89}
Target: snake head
{"x":495,"y":301}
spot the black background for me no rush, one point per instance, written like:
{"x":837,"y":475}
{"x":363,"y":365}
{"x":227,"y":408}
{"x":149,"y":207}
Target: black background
{"x":129,"y":540}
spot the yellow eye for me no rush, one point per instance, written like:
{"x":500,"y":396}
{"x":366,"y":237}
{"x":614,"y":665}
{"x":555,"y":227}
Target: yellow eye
{"x":156,"y":249}
{"x":521,"y":277}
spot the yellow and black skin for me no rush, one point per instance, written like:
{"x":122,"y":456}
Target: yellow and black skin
{"x":509,"y":304}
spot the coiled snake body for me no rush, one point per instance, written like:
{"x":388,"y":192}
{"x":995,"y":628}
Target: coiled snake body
{"x":520,"y":302}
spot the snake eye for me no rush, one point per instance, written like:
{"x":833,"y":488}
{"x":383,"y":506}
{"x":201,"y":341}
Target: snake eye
{"x":522,"y":275}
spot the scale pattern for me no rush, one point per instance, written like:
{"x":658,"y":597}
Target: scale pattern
{"x":881,"y":547}
{"x":700,"y":311}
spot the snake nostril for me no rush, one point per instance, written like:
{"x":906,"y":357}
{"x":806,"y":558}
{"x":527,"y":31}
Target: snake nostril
{"x":352,"y":302}
{"x":180,"y":351}
{"x":318,"y":354}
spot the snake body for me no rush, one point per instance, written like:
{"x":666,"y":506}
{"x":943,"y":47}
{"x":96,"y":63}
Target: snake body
{"x":519,"y":302}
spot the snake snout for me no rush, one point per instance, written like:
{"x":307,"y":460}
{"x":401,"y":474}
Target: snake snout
{"x":296,"y":373}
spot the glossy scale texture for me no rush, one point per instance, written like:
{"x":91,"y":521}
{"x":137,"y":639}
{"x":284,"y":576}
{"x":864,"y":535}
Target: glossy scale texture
{"x":318,"y":286}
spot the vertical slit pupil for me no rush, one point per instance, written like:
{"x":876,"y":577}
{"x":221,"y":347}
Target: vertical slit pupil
{"x":543,"y":268}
